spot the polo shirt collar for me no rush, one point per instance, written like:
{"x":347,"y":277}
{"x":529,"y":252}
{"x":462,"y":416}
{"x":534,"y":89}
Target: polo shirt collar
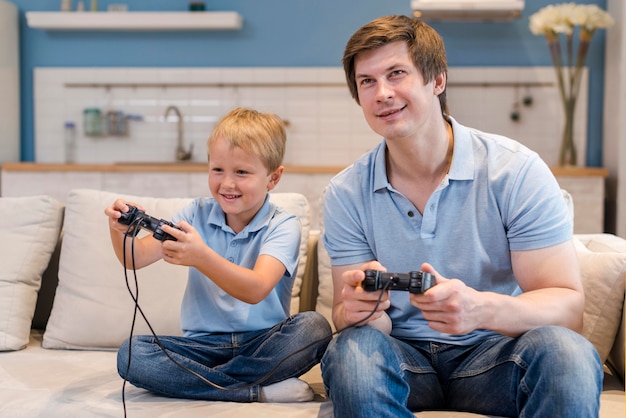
{"x":462,"y":167}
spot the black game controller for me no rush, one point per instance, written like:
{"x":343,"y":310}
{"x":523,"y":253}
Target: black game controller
{"x":414,"y":281}
{"x":138,"y":219}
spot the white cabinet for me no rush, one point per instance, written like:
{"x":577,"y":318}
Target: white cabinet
{"x":587,"y":187}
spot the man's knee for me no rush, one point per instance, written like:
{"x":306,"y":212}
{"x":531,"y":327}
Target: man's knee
{"x":563,"y":348}
{"x":357,"y":349}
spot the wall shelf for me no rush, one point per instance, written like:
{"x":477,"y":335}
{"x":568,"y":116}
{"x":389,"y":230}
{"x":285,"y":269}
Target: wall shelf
{"x":134,"y":21}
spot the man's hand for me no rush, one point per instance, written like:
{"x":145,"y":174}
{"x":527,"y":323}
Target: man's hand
{"x":358,"y":304}
{"x":450,"y":306}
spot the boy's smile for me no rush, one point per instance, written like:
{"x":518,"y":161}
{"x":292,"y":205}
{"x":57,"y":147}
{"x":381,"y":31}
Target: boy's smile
{"x":239,"y":181}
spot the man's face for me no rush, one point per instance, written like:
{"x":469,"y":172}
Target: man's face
{"x":395,"y":100}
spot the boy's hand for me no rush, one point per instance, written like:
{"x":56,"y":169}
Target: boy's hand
{"x":187,"y":249}
{"x":114,"y":212}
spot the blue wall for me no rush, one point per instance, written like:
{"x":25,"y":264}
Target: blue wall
{"x":291,"y":33}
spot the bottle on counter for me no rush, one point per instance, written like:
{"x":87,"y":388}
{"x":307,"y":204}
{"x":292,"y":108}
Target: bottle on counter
{"x":66,"y":5}
{"x":92,"y":121}
{"x":80,"y":6}
{"x":70,"y":142}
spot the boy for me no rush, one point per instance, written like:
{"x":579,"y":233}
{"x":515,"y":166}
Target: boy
{"x":242,"y":255}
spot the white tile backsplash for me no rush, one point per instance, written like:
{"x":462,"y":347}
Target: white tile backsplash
{"x":326,"y":126}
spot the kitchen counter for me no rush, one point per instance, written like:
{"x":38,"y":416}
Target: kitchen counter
{"x":189,"y":179}
{"x":176,"y":179}
{"x":174,"y":167}
{"x":196,"y":167}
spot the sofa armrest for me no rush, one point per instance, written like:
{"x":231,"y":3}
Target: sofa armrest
{"x":616,"y":356}
{"x":308,"y":290}
{"x":47,"y":290}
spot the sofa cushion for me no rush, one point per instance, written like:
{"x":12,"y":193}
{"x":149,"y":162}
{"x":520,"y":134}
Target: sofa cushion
{"x":30,"y":227}
{"x":602,"y":274}
{"x":92,"y":308}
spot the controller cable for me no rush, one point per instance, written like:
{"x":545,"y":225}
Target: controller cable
{"x":132,"y":231}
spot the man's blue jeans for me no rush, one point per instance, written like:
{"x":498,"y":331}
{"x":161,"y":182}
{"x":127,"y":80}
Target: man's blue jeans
{"x":547,"y":372}
{"x":231,"y":361}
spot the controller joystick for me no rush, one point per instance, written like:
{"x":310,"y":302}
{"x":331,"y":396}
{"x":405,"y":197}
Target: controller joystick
{"x":414,"y":281}
{"x":137,"y":219}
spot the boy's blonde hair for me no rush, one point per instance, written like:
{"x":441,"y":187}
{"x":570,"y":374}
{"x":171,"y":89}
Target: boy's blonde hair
{"x":257,"y":133}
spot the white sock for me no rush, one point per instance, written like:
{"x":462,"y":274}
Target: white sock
{"x":289,"y":390}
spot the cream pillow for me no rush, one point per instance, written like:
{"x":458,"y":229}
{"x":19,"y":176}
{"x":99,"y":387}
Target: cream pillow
{"x":92,"y":307}
{"x":298,"y":205}
{"x":602,"y":275}
{"x":29,"y":230}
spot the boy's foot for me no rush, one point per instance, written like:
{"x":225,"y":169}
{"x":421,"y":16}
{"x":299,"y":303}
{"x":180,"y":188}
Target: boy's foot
{"x":289,"y":390}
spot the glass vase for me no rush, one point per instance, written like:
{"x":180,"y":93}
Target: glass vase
{"x":567,"y":154}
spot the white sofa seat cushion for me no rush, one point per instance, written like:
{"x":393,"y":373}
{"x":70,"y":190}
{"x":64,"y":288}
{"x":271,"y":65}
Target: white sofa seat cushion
{"x":29,"y":229}
{"x":92,"y":308}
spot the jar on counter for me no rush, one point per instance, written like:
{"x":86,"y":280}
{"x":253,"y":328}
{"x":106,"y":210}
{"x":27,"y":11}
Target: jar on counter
{"x":92,"y":121}
{"x":116,"y":123}
{"x":70,"y":142}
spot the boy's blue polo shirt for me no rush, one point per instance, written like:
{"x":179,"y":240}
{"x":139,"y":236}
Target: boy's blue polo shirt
{"x":208,"y":309}
{"x":497,"y":197}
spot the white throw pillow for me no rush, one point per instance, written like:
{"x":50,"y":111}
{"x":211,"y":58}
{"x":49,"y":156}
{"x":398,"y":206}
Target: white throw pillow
{"x":602,"y":274}
{"x":29,"y":230}
{"x":298,"y":205}
{"x":92,"y":307}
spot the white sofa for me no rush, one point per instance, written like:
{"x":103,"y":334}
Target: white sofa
{"x":58,"y":335}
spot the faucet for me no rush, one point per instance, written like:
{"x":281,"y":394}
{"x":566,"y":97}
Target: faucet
{"x":181,"y":154}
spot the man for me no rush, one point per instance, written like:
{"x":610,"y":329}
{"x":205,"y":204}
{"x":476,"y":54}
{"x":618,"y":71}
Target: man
{"x":497,"y":334}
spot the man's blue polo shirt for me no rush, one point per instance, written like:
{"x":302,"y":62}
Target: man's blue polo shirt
{"x":497,"y":197}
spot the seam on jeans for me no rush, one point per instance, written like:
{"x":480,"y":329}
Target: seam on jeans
{"x":191,"y":342}
{"x":475,"y":372}
{"x":405,"y":367}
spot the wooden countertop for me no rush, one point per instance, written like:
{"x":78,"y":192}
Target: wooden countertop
{"x":569,"y":171}
{"x":191,"y":167}
{"x":194,"y":167}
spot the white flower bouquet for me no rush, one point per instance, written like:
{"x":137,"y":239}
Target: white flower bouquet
{"x":563,"y":21}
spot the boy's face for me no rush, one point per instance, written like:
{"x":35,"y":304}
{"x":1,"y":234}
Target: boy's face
{"x":239,"y":181}
{"x":395,"y":101}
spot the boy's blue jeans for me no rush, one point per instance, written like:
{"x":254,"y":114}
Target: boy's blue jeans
{"x":547,"y":372}
{"x":228,"y":360}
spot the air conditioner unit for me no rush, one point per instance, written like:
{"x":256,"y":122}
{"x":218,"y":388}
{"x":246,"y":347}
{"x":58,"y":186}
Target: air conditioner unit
{"x":468,"y":9}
